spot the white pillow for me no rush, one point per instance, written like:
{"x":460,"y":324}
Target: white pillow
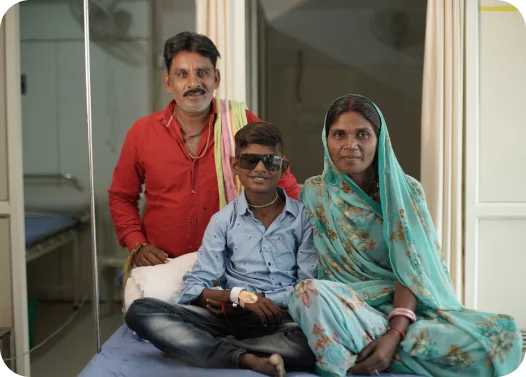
{"x":163,"y":281}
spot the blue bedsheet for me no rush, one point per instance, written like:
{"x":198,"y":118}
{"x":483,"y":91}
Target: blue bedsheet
{"x":125,"y":355}
{"x":38,"y":228}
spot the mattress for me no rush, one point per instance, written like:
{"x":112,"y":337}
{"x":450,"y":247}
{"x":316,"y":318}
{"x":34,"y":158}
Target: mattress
{"x":124,"y":355}
{"x":42,"y":227}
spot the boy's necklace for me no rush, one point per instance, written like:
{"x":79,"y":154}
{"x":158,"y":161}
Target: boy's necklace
{"x":265,"y":205}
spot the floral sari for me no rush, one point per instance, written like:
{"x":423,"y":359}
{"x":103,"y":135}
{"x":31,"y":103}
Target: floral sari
{"x":364,"y":247}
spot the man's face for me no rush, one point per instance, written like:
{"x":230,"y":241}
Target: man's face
{"x":191,"y":81}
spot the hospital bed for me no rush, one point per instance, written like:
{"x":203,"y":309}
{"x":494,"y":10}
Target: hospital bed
{"x":49,"y":227}
{"x":125,"y":355}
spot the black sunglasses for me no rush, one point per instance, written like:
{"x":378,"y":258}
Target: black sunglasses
{"x":272,"y":162}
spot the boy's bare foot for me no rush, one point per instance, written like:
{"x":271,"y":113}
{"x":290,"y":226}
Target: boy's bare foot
{"x":272,"y":366}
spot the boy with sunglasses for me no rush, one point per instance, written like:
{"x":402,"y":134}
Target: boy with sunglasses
{"x":232,"y":311}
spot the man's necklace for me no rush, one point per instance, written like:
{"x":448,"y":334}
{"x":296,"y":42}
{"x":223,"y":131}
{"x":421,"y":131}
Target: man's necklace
{"x":187,"y":138}
{"x":207,"y":140}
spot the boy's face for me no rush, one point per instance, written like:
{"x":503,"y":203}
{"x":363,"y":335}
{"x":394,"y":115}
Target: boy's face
{"x":260,"y":179}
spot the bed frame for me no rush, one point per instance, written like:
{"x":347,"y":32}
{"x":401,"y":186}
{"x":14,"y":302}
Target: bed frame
{"x":48,"y":232}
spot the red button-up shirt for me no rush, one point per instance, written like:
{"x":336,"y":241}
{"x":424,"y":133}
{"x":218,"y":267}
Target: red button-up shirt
{"x":181,"y":192}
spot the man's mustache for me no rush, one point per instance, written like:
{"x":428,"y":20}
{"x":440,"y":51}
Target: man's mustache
{"x":194,"y":91}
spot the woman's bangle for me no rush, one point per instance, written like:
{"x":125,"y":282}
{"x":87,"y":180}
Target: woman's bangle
{"x":402,"y":312}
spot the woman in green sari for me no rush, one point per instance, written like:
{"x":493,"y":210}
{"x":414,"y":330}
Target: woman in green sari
{"x":385,"y":300}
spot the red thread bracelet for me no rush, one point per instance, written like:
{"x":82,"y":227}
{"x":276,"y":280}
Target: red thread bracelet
{"x":402,"y":334}
{"x":223,"y":306}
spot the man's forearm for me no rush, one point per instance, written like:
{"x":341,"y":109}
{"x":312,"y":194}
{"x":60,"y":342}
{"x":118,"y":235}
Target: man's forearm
{"x":126,"y":220}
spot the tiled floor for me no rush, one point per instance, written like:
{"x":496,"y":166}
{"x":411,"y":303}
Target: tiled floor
{"x":69,"y":352}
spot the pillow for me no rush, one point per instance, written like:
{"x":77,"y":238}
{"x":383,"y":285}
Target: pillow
{"x":163,"y":281}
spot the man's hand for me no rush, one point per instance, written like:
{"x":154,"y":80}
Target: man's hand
{"x":376,"y":357}
{"x":268,"y":312}
{"x":150,"y":255}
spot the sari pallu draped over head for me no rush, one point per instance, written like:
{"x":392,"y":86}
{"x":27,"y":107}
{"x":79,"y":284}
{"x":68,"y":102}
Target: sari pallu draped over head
{"x":415,"y":258}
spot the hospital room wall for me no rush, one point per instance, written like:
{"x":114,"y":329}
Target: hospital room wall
{"x":54,"y":115}
{"x":123,"y":91}
{"x":6,"y":299}
{"x":350,"y":52}
{"x":500,"y":207}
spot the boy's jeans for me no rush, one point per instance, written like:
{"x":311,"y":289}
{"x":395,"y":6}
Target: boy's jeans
{"x":201,"y":338}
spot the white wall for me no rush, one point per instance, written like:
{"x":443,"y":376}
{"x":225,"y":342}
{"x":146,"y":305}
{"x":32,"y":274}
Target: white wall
{"x":171,"y":17}
{"x":501,"y":208}
{"x":346,"y":52}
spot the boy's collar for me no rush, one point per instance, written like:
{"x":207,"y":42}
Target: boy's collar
{"x":242,"y":207}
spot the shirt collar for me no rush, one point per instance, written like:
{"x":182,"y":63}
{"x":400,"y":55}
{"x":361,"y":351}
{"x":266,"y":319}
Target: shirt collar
{"x":242,"y":207}
{"x":165,"y":116}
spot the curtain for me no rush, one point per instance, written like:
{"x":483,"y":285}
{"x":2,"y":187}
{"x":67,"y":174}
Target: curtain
{"x":223,"y":21}
{"x":442,"y":168}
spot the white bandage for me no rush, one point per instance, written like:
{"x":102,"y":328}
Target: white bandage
{"x":234,"y":295}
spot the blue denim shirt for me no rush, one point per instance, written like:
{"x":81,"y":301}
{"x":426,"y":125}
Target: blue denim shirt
{"x":238,"y":251}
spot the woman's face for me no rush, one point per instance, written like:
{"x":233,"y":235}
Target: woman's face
{"x":352,"y":143}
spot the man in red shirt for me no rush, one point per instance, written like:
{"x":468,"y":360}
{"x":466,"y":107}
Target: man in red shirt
{"x":171,"y":152}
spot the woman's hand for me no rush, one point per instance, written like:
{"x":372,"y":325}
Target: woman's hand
{"x":376,"y":357}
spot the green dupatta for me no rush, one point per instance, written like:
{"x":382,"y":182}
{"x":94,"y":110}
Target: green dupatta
{"x":348,"y":229}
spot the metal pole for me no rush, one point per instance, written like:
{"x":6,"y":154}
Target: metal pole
{"x":96,"y":308}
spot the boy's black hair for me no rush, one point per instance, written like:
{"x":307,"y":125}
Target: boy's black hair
{"x":262,"y":133}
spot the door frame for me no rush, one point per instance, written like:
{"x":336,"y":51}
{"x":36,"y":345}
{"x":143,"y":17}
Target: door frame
{"x":16,"y":188}
{"x":472,"y":168}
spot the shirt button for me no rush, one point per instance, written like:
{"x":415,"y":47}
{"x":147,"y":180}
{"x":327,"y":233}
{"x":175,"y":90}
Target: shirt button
{"x":264,"y":248}
{"x":193,"y":191}
{"x":280,"y":284}
{"x":270,"y":264}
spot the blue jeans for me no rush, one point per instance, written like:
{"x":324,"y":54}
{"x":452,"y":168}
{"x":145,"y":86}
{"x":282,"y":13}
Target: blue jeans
{"x":200,"y":338}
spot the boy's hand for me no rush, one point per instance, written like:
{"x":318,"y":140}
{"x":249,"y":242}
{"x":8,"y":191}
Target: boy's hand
{"x":216,"y":308}
{"x":268,"y":312}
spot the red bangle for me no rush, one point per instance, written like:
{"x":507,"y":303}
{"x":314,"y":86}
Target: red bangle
{"x":402,"y":334}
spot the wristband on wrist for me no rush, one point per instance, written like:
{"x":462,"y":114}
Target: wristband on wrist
{"x":234,"y":295}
